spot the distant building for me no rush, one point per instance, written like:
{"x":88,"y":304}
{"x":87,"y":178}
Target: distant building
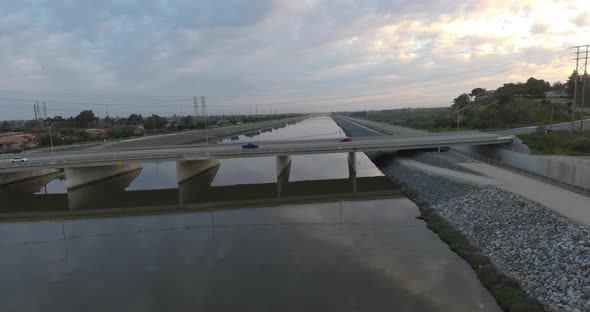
{"x":554,"y":93}
{"x":7,"y":146}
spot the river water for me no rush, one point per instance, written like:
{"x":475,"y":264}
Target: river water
{"x":312,"y":243}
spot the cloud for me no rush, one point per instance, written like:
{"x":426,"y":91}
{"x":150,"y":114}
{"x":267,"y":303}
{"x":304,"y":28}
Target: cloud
{"x":319,"y":50}
{"x":582,"y":20}
{"x":539,"y":28}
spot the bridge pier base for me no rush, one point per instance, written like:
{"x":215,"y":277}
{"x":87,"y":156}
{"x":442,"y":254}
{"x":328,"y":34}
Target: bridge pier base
{"x":190,"y":168}
{"x":283,"y":172}
{"x":76,"y":177}
{"x":352,"y":170}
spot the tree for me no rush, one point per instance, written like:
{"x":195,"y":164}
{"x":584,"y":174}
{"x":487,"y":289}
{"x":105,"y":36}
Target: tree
{"x":155,"y":122}
{"x":558,"y":86}
{"x":460,"y":102}
{"x":536,"y":87}
{"x":570,"y":86}
{"x":135,"y":119}
{"x":187,"y":121}
{"x":477,"y":91}
{"x":86,"y":118}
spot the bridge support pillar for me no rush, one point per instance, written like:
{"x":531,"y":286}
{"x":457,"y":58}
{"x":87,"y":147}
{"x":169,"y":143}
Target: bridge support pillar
{"x":190,"y":168}
{"x":197,"y":188}
{"x":283,"y":172}
{"x":13,"y":177}
{"x":76,"y":177}
{"x":352,"y":169}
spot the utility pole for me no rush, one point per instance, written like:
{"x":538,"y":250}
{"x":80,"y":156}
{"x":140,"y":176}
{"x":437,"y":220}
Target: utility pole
{"x":204,"y":112}
{"x":584,"y":89}
{"x":575,"y":88}
{"x":551,"y":122}
{"x":458,"y":113}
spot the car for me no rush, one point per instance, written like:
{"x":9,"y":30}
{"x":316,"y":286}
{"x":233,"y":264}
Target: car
{"x":346,"y":140}
{"x":18,"y":159}
{"x":250,"y":145}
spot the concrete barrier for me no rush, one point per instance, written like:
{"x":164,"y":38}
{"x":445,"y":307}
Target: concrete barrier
{"x":563,"y":169}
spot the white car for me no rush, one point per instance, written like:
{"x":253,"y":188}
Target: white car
{"x":18,"y":159}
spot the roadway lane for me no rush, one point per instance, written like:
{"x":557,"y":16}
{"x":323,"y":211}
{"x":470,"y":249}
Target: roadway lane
{"x":271,"y":148}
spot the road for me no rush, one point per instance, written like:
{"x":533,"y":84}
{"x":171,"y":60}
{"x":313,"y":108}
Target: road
{"x":531,"y":129}
{"x":272,"y":148}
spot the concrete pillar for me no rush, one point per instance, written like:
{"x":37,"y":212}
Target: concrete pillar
{"x":106,"y":193}
{"x":283,"y":172}
{"x":12,"y":177}
{"x":30,"y":186}
{"x":190,"y":168}
{"x":197,"y":188}
{"x":352,"y":169}
{"x":76,"y":177}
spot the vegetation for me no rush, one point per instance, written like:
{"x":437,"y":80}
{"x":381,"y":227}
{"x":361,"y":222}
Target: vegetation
{"x":436,"y":118}
{"x":507,"y":292}
{"x":575,"y":143}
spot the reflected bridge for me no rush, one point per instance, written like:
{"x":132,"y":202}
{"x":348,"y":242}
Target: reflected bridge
{"x":109,"y":197}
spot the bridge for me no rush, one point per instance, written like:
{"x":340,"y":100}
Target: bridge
{"x":84,"y":167}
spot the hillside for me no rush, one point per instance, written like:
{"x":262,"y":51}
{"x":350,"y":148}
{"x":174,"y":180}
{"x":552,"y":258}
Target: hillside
{"x":488,"y":113}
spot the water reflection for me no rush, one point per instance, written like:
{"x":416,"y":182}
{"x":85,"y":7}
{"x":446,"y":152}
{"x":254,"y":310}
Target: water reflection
{"x":113,"y":196}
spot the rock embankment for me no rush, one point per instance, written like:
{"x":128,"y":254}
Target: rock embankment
{"x":547,"y":254}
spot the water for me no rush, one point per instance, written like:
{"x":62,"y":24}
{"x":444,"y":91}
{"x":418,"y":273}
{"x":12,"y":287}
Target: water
{"x":249,"y":242}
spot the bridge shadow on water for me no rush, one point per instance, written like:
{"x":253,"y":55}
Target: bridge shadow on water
{"x":111,"y":197}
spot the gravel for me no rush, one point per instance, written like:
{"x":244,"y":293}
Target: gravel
{"x":443,"y":160}
{"x":547,"y":254}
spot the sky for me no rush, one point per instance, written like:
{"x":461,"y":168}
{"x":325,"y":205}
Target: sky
{"x":154,"y":56}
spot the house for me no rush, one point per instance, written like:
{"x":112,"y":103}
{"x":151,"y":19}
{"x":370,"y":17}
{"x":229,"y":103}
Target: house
{"x":8,"y":146}
{"x":555,"y":93}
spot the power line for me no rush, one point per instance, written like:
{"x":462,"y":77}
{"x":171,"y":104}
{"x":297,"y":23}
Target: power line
{"x":163,"y":106}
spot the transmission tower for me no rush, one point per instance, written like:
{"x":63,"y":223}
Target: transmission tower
{"x":203,"y":107}
{"x":581,"y":66}
{"x":44,"y":110}
{"x":204,"y":113}
{"x":195,"y":106}
{"x":36,"y":110}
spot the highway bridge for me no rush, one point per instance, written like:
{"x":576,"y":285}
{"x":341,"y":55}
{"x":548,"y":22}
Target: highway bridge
{"x":88,"y":166}
{"x":79,"y":159}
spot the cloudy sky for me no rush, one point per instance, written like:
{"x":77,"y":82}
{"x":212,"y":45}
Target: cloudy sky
{"x":155,"y":55}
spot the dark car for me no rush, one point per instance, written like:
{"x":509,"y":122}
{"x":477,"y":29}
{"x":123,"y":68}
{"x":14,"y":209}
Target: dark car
{"x":346,"y":140}
{"x":250,"y":145}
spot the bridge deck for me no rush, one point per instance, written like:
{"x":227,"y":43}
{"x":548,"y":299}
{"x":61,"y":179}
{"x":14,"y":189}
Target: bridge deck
{"x":274,"y":148}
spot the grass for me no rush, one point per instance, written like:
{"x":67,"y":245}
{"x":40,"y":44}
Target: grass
{"x":562,"y":142}
{"x":505,"y":290}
